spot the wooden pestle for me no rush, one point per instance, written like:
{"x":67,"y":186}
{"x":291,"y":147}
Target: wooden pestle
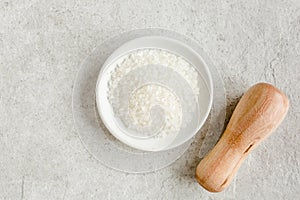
{"x":257,"y":115}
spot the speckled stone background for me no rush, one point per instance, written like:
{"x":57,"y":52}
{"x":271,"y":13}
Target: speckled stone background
{"x":42,"y":44}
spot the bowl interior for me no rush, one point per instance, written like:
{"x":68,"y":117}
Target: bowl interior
{"x":204,"y":98}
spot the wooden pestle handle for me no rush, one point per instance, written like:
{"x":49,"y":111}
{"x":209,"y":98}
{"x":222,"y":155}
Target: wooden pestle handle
{"x":258,"y":113}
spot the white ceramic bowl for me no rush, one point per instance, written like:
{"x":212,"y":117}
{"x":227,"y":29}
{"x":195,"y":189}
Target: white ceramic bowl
{"x":204,"y":101}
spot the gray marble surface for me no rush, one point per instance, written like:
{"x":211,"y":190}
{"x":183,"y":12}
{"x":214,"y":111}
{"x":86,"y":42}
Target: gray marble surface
{"x":42,"y":44}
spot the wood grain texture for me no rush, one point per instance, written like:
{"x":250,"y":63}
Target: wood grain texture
{"x":257,"y":115}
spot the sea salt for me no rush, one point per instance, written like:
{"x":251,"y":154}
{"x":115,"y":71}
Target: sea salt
{"x":153,"y":92}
